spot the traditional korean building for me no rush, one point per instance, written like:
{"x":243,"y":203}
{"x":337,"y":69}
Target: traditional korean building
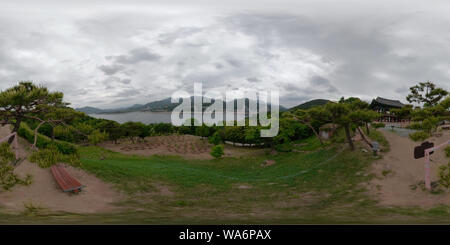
{"x":384,"y":106}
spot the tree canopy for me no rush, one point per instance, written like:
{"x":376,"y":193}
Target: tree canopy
{"x":426,"y":93}
{"x":27,"y":100}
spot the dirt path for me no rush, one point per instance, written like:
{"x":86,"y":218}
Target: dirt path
{"x":401,"y":171}
{"x":96,"y":197}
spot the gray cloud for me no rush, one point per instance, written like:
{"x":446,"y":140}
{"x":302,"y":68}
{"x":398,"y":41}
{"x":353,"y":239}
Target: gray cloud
{"x":135,"y":56}
{"x":128,"y":93}
{"x":111,"y":69}
{"x":145,"y":51}
{"x":179,"y":33}
{"x":253,"y":79}
{"x":322,"y":83}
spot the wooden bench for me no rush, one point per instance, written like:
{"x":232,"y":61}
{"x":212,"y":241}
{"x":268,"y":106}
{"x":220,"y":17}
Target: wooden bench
{"x":66,"y":182}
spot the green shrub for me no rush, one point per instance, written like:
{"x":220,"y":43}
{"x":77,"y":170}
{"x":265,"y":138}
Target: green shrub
{"x":64,"y":133}
{"x":447,"y":151}
{"x":44,"y":141}
{"x":419,"y":136}
{"x":215,"y":138}
{"x":162,"y":128}
{"x":444,"y":175}
{"x":7,"y":177}
{"x":378,"y":125}
{"x":6,"y":155}
{"x":415,"y":126}
{"x":97,"y":136}
{"x":45,"y":157}
{"x":430,"y":124}
{"x":217,"y":151}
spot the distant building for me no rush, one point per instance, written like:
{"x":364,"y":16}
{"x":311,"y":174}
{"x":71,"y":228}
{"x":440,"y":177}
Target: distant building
{"x":384,"y":106}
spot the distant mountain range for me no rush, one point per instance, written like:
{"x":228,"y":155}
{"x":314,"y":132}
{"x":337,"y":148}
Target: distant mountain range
{"x":164,"y":105}
{"x":309,"y":104}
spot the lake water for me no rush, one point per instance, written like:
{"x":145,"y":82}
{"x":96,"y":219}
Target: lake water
{"x":145,"y":117}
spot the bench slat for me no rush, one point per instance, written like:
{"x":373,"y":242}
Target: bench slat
{"x":66,"y":182}
{"x":58,"y":178}
{"x":73,"y":183}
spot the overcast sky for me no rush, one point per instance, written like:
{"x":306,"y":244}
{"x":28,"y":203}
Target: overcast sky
{"x":117,"y":53}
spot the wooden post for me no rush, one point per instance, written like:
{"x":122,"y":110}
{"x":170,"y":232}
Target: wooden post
{"x":427,"y":170}
{"x":427,"y":163}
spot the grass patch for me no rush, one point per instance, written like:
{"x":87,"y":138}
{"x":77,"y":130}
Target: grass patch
{"x":376,"y":135}
{"x":204,"y":186}
{"x":309,"y":144}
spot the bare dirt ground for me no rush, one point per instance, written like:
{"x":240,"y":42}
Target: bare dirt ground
{"x":187,"y":146}
{"x":44,"y":193}
{"x":397,"y":172}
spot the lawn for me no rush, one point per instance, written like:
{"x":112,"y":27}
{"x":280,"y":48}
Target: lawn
{"x":315,"y":185}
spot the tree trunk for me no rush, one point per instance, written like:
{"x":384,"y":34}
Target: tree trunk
{"x":349,"y":138}
{"x":52,"y":133}
{"x":36,"y":134}
{"x":315,"y":132}
{"x":367,"y":128}
{"x":15,"y":129}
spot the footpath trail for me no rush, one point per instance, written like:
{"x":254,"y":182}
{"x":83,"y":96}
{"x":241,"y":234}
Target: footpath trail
{"x":397,"y":172}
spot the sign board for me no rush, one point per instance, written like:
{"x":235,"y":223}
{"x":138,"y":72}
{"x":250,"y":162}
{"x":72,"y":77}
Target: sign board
{"x":419,"y":151}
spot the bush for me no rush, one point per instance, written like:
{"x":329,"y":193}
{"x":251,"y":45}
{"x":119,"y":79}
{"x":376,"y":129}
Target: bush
{"x":447,"y":151}
{"x":217,"y":151}
{"x":134,"y":129}
{"x":444,"y":175}
{"x":45,"y":142}
{"x":162,"y":128}
{"x":6,"y":155}
{"x":7,"y":177}
{"x":234,"y":134}
{"x":64,"y":133}
{"x":96,"y":137}
{"x":215,"y":138}
{"x":415,"y":126}
{"x":378,"y":125}
{"x":419,"y":136}
{"x":45,"y":158}
{"x":204,"y":131}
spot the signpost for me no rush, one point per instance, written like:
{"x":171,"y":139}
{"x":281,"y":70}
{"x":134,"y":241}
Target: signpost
{"x":425,"y":150}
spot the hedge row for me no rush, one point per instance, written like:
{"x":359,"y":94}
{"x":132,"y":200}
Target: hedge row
{"x":44,"y":142}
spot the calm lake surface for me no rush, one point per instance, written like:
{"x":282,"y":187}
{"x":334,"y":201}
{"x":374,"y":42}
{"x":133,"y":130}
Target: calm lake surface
{"x":145,"y":117}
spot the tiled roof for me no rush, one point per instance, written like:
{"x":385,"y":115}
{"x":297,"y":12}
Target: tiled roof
{"x":393,"y":103}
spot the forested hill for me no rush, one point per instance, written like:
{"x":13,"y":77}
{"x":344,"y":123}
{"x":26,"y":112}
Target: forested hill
{"x":310,"y":104}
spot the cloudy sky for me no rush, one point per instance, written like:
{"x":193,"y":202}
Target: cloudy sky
{"x":118,"y":53}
